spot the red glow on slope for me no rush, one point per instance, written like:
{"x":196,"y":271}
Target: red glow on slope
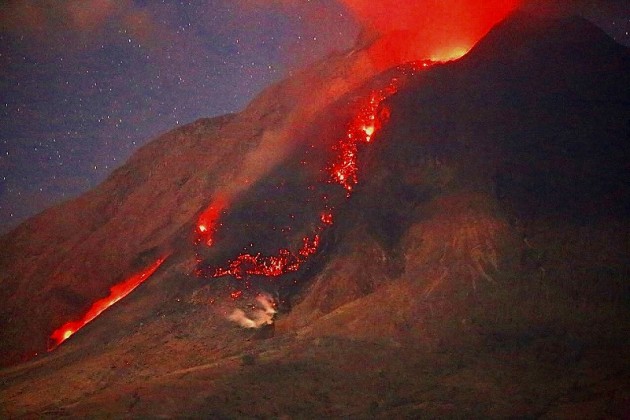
{"x":429,"y":30}
{"x":450,"y":54}
{"x":440,"y":30}
{"x":327,"y":218}
{"x":117,"y":292}
{"x":343,"y":170}
{"x":209,"y":219}
{"x":419,"y":32}
{"x":368,"y":121}
{"x":269,"y":266}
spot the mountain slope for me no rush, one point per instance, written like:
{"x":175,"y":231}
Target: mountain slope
{"x":55,"y":265}
{"x":486,"y":152}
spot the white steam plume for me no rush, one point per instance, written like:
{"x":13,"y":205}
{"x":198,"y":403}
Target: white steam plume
{"x":259,"y":317}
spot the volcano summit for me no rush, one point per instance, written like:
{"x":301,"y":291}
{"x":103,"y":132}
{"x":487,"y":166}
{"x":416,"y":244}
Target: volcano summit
{"x":436,"y":239}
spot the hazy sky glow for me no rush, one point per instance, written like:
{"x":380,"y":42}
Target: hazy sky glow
{"x":87,"y":82}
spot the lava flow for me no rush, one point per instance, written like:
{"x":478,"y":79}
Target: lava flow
{"x":343,"y":170}
{"x":432,"y":30}
{"x":117,"y":292}
{"x":208,"y":220}
{"x":269,"y":266}
{"x":369,"y":120}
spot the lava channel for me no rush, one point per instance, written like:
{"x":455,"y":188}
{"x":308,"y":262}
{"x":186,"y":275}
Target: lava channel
{"x":117,"y":292}
{"x":342,"y":170}
{"x":209,"y":219}
{"x":361,"y":130}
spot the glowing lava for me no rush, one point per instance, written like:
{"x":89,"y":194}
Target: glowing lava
{"x":209,"y":219}
{"x":427,"y":30}
{"x":450,"y":54}
{"x":117,"y":292}
{"x":342,"y":170}
{"x":269,"y":266}
{"x":412,"y":30}
{"x":369,"y":120}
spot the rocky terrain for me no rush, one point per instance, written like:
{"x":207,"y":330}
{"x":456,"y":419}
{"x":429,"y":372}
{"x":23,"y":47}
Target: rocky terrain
{"x":479,"y":268}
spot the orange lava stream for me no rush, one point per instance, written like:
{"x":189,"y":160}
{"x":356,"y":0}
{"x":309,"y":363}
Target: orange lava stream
{"x":117,"y":292}
{"x":343,"y":170}
{"x":209,"y":219}
{"x":369,"y":120}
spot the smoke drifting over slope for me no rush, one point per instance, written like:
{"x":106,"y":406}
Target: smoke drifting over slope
{"x":428,"y":29}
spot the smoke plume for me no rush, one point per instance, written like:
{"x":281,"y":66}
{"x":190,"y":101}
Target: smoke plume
{"x":427,"y":29}
{"x":259,"y":317}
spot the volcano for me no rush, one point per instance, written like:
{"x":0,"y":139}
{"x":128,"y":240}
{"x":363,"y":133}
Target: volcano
{"x":438,"y":239}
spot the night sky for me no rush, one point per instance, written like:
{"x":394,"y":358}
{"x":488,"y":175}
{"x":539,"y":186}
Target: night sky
{"x":87,"y":82}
